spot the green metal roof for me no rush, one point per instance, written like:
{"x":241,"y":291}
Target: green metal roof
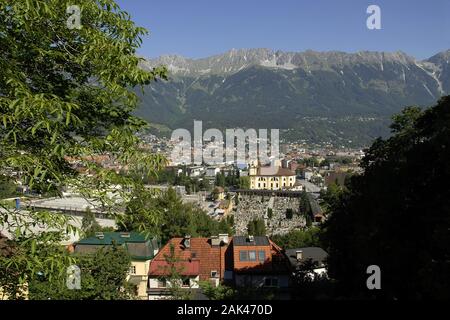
{"x":114,"y":237}
{"x":135,"y":243}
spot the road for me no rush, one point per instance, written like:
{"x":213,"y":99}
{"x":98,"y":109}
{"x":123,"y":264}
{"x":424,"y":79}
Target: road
{"x":309,"y":187}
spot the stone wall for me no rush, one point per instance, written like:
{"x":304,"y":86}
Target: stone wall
{"x":252,"y":207}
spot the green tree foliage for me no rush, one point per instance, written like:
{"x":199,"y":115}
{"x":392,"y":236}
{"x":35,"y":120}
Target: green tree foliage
{"x":229,"y":179}
{"x":220,"y":292}
{"x":220,"y":180}
{"x":167,"y":216}
{"x":7,"y":188}
{"x":270,"y":213}
{"x":166,"y":175}
{"x":299,"y":238}
{"x":233,"y":178}
{"x":331,"y":196}
{"x":289,"y":213}
{"x":309,"y":162}
{"x":103,"y":277}
{"x":66,"y":94}
{"x":226,"y":225}
{"x":174,"y":277}
{"x":256,"y":227}
{"x":308,"y":285}
{"x":89,"y":224}
{"x":396,"y":214}
{"x":32,"y":253}
{"x":143,"y":213}
{"x":325,"y":163}
{"x":244,"y":182}
{"x":305,"y":208}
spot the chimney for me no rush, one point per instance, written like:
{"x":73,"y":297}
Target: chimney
{"x":215,"y":241}
{"x":251,"y":238}
{"x":299,"y":255}
{"x":223,"y":237}
{"x":99,"y":235}
{"x":187,"y":241}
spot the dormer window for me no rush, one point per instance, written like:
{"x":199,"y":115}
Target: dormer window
{"x":187,"y":241}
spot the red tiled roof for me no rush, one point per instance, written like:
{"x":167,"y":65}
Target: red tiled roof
{"x":271,"y":171}
{"x":200,"y":258}
{"x":185,"y":268}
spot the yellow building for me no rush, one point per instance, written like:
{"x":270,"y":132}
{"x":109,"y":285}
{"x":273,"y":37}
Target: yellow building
{"x":271,"y":178}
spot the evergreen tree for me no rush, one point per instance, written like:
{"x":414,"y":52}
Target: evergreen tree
{"x":396,"y":215}
{"x":256,"y":227}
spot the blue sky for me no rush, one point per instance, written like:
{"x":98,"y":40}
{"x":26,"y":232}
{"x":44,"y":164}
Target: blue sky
{"x":200,"y":28}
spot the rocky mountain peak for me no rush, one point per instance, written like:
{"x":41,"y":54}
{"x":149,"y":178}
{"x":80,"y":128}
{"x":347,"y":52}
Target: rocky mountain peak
{"x":235,"y":60}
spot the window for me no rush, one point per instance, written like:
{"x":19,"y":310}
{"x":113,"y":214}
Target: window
{"x":252,"y":255}
{"x":213,"y":273}
{"x":243,"y":255}
{"x":132,"y":270}
{"x":186,"y":282}
{"x":162,"y":283}
{"x":261,"y":256}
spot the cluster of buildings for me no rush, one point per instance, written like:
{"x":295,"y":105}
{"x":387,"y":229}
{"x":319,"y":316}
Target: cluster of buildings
{"x":185,"y":262}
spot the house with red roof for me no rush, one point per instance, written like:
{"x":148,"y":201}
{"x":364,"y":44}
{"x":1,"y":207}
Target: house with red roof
{"x":190,"y":260}
{"x":240,"y":261}
{"x":259,"y":263}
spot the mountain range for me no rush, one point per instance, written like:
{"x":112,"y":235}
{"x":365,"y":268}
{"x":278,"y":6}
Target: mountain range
{"x":321,"y":97}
